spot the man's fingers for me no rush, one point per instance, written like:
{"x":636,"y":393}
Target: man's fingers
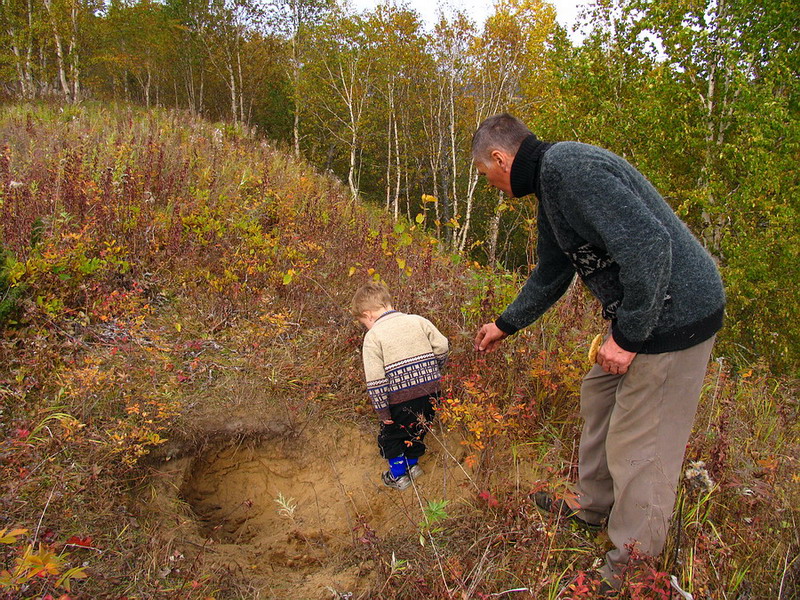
{"x":613,"y":359}
{"x":613,"y":367}
{"x":479,"y":338}
{"x":484,"y":341}
{"x":488,"y":338}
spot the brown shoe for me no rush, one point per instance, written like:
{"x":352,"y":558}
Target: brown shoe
{"x":548,"y":503}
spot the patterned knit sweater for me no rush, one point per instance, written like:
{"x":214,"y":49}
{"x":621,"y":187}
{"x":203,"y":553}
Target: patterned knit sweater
{"x":403,"y":357}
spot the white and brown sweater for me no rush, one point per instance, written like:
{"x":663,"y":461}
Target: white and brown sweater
{"x":403,"y":357}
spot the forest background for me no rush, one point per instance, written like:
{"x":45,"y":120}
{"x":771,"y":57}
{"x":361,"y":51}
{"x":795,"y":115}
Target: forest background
{"x":700,"y":96}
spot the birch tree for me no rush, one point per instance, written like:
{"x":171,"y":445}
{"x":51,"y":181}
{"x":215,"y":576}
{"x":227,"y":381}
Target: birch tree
{"x":295,"y":19}
{"x":140,"y":44}
{"x":19,"y":22}
{"x":400,"y":67}
{"x":512,"y":49}
{"x":64,"y":18}
{"x":339,"y":85}
{"x":189,"y":19}
{"x":450,"y":44}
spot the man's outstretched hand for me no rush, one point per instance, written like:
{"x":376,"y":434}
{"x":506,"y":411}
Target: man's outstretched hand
{"x":613,"y":359}
{"x":489,"y":338}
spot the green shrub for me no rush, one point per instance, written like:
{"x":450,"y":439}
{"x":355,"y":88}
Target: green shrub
{"x":10,"y":291}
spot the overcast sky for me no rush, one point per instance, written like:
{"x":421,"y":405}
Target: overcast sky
{"x":567,"y":10}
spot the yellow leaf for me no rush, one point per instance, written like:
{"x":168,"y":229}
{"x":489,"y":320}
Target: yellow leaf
{"x":178,"y":327}
{"x":73,"y":573}
{"x":351,"y":271}
{"x":401,"y":262}
{"x":16,"y":272}
{"x":12,"y":535}
{"x":44,"y":561}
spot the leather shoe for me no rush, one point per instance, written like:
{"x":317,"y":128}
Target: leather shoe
{"x":548,"y":503}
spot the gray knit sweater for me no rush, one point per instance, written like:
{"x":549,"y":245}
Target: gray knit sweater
{"x":600,"y":217}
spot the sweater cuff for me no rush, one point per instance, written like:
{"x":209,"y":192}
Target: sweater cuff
{"x":505,"y":326}
{"x":622,"y":341}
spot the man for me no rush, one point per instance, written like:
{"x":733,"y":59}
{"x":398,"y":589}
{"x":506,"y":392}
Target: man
{"x":662,"y":293}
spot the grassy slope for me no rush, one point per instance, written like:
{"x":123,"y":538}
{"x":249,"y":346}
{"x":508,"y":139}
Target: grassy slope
{"x":186,"y":282}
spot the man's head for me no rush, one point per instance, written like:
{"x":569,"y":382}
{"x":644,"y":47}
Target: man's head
{"x":494,"y":146}
{"x":370,"y":301}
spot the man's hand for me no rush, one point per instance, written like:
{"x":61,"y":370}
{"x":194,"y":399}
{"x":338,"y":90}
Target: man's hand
{"x":613,"y":359}
{"x":489,"y":338}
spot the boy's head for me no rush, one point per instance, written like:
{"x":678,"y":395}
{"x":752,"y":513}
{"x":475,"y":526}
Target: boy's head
{"x":370,"y":301}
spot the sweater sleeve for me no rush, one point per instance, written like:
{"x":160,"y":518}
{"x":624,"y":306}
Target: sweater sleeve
{"x":377,"y":383}
{"x":547,"y":283}
{"x":603,"y":201}
{"x":439,"y":344}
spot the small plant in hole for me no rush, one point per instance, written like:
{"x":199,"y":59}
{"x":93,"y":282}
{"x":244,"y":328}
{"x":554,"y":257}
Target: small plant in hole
{"x":287,"y":506}
{"x":432,"y":514}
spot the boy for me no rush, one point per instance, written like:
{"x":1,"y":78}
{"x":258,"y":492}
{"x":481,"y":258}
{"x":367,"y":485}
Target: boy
{"x":403,"y":357}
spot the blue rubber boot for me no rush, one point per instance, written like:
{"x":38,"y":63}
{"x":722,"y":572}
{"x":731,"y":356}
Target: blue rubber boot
{"x":398,"y":466}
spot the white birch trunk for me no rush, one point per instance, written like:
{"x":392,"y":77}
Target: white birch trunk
{"x":454,"y":165}
{"x":389,"y":152}
{"x":74,"y":62}
{"x":494,"y":230}
{"x":232,"y":86}
{"x":62,"y":73}
{"x":473,"y":182}
{"x":241,"y":82}
{"x":397,"y":172}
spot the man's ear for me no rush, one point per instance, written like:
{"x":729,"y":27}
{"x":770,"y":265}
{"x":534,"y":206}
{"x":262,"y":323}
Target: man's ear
{"x":501,"y":159}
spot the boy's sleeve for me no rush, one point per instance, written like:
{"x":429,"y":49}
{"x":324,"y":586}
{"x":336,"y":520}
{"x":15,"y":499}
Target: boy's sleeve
{"x":439,"y":343}
{"x":377,"y":383}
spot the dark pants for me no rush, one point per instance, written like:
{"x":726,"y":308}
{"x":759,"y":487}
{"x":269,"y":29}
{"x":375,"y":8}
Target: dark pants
{"x":411,"y":421}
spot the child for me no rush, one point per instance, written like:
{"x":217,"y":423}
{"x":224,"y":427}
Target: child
{"x":403,"y":357}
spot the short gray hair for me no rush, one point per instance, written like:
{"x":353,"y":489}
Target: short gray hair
{"x":500,"y":132}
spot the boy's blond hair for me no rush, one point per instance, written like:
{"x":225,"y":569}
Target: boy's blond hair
{"x":370,"y":296}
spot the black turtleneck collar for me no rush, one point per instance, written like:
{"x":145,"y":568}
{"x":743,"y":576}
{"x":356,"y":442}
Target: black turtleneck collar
{"x":525,"y":168}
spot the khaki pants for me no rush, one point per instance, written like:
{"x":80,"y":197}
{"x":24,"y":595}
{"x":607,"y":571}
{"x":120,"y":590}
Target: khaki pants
{"x":635,"y":431}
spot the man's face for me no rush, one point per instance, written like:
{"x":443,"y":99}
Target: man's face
{"x":497,"y":171}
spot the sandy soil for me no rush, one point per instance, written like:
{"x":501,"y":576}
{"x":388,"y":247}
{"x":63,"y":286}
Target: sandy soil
{"x":293,"y":517}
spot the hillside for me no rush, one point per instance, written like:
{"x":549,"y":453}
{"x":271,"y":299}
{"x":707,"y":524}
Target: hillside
{"x":183,"y":405}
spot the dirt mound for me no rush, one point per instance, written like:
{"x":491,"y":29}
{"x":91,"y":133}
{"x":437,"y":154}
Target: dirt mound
{"x":291,"y":515}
